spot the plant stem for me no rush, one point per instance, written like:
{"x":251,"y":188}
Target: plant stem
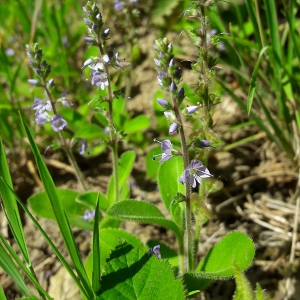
{"x":112,"y":132}
{"x":188,"y":237}
{"x":65,"y":145}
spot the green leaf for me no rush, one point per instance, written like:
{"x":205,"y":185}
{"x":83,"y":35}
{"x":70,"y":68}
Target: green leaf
{"x":88,"y":200}
{"x":90,"y":132}
{"x":152,"y":165}
{"x":109,"y":239}
{"x":213,"y":185}
{"x":108,"y":222}
{"x":235,"y":246}
{"x":9,"y":267}
{"x":96,"y":253}
{"x":168,"y":179}
{"x":143,"y":212}
{"x":177,"y":210}
{"x":218,"y":263}
{"x":59,"y":213}
{"x":41,"y":205}
{"x":133,"y":274}
{"x":10,"y":205}
{"x":124,"y":169}
{"x":136,"y":124}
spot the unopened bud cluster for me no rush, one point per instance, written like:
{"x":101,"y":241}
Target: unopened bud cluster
{"x":94,"y":22}
{"x":41,"y":67}
{"x":45,"y":110}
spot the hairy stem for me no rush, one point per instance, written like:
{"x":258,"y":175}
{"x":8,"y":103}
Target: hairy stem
{"x":112,"y":132}
{"x":188,"y":239}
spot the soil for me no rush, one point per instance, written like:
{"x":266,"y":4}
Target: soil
{"x":258,"y":198}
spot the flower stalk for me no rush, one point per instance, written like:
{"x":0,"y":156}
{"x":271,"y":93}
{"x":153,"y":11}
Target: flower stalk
{"x":41,"y":107}
{"x":98,"y":37}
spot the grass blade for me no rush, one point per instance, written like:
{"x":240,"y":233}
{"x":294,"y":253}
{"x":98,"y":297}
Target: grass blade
{"x":29,"y":274}
{"x":253,"y":18}
{"x":253,"y":81}
{"x":96,"y":252}
{"x":257,"y":120}
{"x":11,"y":208}
{"x":10,"y":268}
{"x":60,"y":215}
{"x":55,"y":250}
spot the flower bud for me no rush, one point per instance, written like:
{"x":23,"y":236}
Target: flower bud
{"x":162,"y":102}
{"x":33,"y":82}
{"x":201,"y":143}
{"x":173,"y":87}
{"x":191,"y":109}
{"x":157,"y":62}
{"x":173,"y":128}
{"x":89,"y":39}
{"x":105,"y":33}
{"x":180,"y":95}
{"x":50,"y":82}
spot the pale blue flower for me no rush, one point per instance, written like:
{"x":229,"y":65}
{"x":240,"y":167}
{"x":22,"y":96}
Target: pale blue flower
{"x":194,"y":172}
{"x":167,"y":149}
{"x":99,"y":79}
{"x":40,"y":106}
{"x":155,"y":250}
{"x":58,"y":123}
{"x":88,"y":215}
{"x":42,"y":118}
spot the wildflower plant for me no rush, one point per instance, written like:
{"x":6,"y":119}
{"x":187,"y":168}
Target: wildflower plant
{"x":119,"y":265}
{"x":46,"y":109}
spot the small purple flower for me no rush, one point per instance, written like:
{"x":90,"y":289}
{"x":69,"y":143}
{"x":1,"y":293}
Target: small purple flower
{"x":63,"y":99}
{"x":118,"y":5}
{"x":171,"y":117}
{"x":99,"y":79}
{"x":191,"y":109}
{"x":58,"y":123}
{"x":83,"y":145}
{"x":155,"y":250}
{"x":42,"y":118}
{"x":166,"y":148}
{"x":105,"y":58}
{"x":40,"y":106}
{"x":88,"y":215}
{"x":194,"y":172}
{"x":115,"y":61}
